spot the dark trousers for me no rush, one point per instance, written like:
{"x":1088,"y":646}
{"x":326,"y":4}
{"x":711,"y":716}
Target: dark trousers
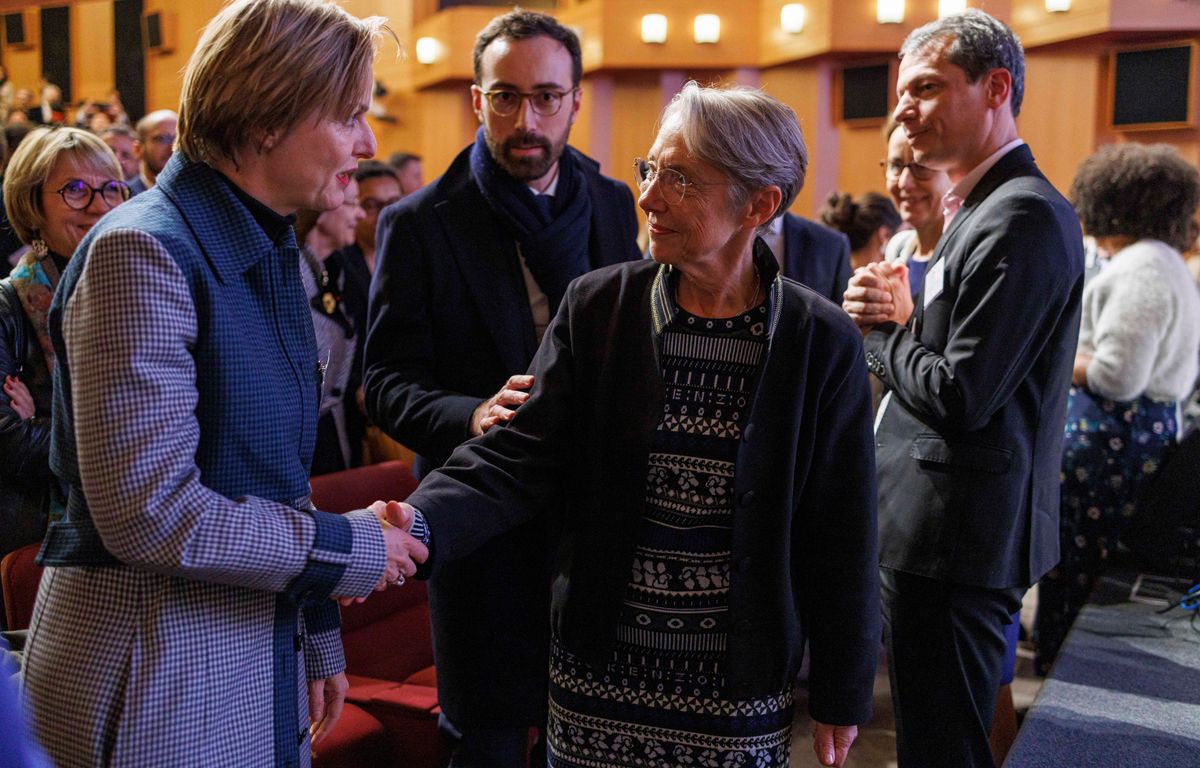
{"x":490,"y":747}
{"x":946,"y":651}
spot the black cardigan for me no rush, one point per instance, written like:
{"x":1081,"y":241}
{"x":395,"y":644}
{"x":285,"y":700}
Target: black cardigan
{"x":804,"y":559}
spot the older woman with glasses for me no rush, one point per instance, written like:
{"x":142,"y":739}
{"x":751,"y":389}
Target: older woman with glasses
{"x":58,"y":185}
{"x":185,"y":614}
{"x":698,"y":441}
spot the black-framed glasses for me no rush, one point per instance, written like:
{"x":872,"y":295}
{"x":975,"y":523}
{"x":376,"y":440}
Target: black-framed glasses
{"x":505,"y":102}
{"x":673,"y":184}
{"x":78,"y":195}
{"x":893,"y":169}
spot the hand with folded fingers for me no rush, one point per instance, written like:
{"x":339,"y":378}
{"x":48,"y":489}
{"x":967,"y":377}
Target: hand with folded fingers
{"x":404,"y":552}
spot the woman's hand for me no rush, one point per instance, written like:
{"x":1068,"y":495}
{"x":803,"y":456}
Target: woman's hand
{"x":832,"y":742}
{"x":1079,"y":372}
{"x":18,"y":395}
{"x":325,"y":700}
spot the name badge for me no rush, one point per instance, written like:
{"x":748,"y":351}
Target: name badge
{"x":933,"y":281}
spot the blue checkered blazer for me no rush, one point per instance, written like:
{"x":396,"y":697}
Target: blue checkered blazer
{"x":186,"y":599}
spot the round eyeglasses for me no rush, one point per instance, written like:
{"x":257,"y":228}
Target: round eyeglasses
{"x":78,"y":195}
{"x":893,"y":169}
{"x":672,"y":184}
{"x":505,"y":102}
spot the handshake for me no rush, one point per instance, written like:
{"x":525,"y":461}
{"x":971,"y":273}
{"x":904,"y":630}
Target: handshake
{"x":404,"y":552}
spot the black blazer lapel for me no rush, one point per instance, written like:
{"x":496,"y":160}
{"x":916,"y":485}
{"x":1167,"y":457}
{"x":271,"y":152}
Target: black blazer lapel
{"x":485,"y":255}
{"x":1018,"y":162}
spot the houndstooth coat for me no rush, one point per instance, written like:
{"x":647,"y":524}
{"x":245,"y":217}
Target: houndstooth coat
{"x":186,"y":598}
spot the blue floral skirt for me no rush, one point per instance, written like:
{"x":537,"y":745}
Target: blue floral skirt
{"x":1111,"y":448}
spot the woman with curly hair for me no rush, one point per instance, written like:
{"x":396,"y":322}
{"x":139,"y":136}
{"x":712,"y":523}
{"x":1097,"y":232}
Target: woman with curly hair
{"x":1137,"y":356}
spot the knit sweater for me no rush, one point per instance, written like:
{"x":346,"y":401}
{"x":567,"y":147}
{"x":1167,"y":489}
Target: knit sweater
{"x":1141,"y":325}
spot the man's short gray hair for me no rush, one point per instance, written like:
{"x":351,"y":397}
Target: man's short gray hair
{"x":752,"y":138}
{"x":978,"y":43}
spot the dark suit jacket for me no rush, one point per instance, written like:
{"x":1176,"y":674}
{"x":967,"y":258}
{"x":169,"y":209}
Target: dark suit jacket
{"x":816,"y":256}
{"x":804,"y":548}
{"x":969,"y":448}
{"x":449,"y":322}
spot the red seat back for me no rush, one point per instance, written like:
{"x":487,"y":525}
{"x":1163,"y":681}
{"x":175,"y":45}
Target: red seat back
{"x":356,"y":488}
{"x":388,"y":637}
{"x":19,"y":577}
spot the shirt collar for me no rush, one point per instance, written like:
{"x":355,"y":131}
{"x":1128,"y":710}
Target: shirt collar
{"x":958,"y":194}
{"x":664,"y":309}
{"x":551,"y":188}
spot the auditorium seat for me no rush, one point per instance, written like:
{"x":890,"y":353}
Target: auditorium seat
{"x":387,"y":640}
{"x":19,"y":577}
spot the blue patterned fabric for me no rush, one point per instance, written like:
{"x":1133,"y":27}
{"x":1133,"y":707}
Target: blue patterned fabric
{"x":1111,"y":448}
{"x":184,"y":414}
{"x":664,"y":698}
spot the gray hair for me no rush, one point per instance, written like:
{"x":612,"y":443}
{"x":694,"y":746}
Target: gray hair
{"x":978,"y":43}
{"x":750,"y":137}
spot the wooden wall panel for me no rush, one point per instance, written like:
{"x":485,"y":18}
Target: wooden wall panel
{"x":637,"y":101}
{"x":446,"y":125}
{"x":24,"y":65}
{"x":1062,"y":108}
{"x":92,"y":63}
{"x":164,"y":72}
{"x":800,"y":87}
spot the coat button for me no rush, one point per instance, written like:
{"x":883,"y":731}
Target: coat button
{"x":747,"y":499}
{"x":747,"y":432}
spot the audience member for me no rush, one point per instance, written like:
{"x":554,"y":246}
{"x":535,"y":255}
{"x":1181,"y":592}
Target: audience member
{"x":378,"y":187}
{"x":712,"y":526}
{"x":7,"y":95}
{"x":917,"y":192}
{"x":22,"y":102}
{"x":121,"y":141}
{"x":868,"y":220}
{"x":185,"y":613}
{"x":155,"y":143}
{"x":321,"y":234}
{"x":968,"y":437}
{"x":50,"y":111}
{"x":1139,"y":348}
{"x":809,"y":253}
{"x":472,"y":268}
{"x":58,"y":185}
{"x":408,"y":171}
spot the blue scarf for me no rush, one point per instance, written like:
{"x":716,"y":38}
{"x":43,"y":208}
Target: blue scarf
{"x":553,"y":239}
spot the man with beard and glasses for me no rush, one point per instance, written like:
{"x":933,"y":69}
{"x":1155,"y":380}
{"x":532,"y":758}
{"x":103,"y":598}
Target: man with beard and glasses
{"x":470,"y":271}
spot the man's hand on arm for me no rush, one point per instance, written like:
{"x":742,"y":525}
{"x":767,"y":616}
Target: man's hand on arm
{"x":501,"y":406}
{"x":832,"y":742}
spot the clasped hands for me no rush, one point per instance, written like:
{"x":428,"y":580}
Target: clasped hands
{"x":404,"y":552}
{"x":878,"y":293}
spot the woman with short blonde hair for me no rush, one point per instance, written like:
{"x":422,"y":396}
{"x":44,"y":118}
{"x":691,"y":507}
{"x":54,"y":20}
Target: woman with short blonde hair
{"x":185,"y":612}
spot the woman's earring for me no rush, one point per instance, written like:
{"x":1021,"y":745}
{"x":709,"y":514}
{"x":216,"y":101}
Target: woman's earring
{"x":38,"y":246}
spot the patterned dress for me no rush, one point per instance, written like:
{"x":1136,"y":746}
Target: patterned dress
{"x":1111,"y":448}
{"x":662,"y":699}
